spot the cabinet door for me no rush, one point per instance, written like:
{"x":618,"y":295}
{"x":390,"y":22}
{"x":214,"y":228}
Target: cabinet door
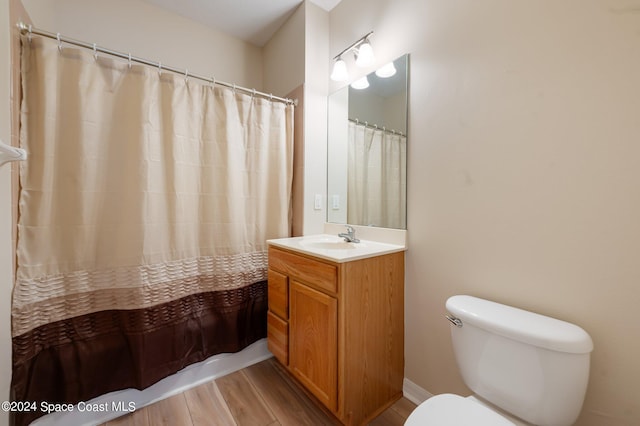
{"x":313,"y":342}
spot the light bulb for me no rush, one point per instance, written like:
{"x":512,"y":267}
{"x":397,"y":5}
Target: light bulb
{"x":361,"y":83}
{"x":339,"y":72}
{"x":386,"y":70}
{"x":365,"y":55}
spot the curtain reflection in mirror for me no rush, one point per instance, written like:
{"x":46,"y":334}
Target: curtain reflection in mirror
{"x":376,"y":177}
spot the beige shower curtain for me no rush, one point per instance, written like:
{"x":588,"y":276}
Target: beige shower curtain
{"x":376,"y":178}
{"x":144,"y":209}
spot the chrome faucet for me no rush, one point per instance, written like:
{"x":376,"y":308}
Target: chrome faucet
{"x":350,"y":235}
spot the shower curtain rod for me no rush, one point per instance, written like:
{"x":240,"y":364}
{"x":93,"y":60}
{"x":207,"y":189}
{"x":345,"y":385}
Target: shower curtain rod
{"x":29,"y":30}
{"x":375,"y":126}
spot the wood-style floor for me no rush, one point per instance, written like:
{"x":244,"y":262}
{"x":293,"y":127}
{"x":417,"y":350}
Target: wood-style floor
{"x":260,"y":395}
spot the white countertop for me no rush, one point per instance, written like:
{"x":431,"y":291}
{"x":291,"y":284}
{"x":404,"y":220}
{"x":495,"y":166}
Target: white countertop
{"x":331,"y":247}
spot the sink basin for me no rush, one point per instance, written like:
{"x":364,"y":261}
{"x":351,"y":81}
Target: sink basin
{"x":330,"y":245}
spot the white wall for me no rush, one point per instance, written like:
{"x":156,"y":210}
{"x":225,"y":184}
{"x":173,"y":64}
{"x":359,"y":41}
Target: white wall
{"x":316,"y":90}
{"x":523,"y":173}
{"x":298,"y":55}
{"x":284,"y":56}
{"x":152,"y":33}
{"x":338,"y":154}
{"x":6,"y":261}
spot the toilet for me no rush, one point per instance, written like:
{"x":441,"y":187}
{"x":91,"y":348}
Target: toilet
{"x":524,"y":368}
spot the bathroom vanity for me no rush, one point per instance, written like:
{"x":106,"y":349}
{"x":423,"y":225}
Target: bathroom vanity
{"x":336,"y":321}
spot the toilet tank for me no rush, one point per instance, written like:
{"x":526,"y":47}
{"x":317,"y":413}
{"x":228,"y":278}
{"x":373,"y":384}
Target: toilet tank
{"x":532,"y":366}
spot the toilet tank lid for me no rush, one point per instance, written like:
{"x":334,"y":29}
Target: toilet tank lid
{"x":518,"y":324}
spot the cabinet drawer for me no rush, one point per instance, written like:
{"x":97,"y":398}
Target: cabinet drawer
{"x":278,"y":338}
{"x":321,"y":275}
{"x":279,"y":294}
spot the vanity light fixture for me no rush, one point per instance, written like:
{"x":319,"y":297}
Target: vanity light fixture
{"x":340,"y":72}
{"x":386,"y":71}
{"x":364,"y":57}
{"x":361,"y":83}
{"x":363,"y":54}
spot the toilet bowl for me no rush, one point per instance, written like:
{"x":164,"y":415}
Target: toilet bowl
{"x":524,"y":368}
{"x":453,"y":410}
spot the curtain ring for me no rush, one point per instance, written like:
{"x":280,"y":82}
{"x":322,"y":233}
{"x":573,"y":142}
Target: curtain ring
{"x":159,"y":68}
{"x":213,"y":81}
{"x":59,"y":42}
{"x":129,"y":60}
{"x":186,"y":75}
{"x":234,"y":88}
{"x":270,"y":97}
{"x":95,"y":52}
{"x":253,"y":93}
{"x":30,"y":35}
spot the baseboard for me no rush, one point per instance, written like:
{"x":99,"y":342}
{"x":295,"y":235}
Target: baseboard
{"x":116,"y":404}
{"x":414,"y":393}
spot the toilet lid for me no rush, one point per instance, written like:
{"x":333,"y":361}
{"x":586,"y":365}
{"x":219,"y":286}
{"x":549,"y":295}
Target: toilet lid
{"x":454,"y":410}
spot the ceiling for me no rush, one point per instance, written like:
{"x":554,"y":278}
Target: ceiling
{"x":253,"y":21}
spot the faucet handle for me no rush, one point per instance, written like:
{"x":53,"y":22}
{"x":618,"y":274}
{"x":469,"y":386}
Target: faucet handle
{"x":350,"y":236}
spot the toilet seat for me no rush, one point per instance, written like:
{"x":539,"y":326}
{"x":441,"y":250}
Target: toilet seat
{"x":454,"y":410}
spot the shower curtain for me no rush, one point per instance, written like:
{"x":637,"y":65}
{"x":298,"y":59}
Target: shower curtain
{"x":377,"y":176}
{"x":144,"y":209}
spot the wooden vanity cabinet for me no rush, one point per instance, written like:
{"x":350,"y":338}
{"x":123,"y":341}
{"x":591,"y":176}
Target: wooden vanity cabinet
{"x":339,"y":329}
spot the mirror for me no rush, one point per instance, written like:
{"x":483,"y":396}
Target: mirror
{"x":367,"y":161}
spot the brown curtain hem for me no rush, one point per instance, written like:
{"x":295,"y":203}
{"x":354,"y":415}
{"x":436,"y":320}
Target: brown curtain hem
{"x":80,"y":358}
